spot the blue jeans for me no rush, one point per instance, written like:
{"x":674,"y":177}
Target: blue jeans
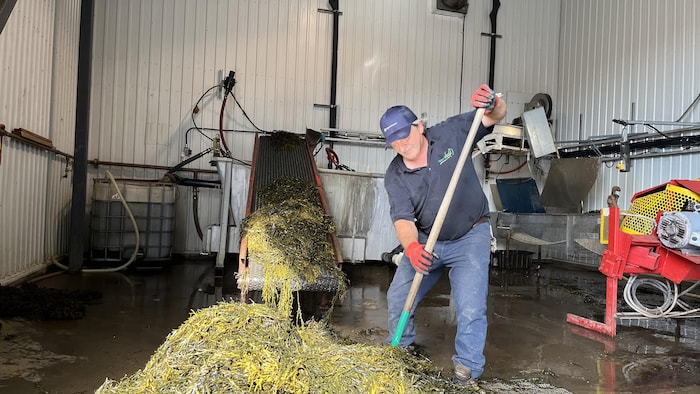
{"x":468,"y":260}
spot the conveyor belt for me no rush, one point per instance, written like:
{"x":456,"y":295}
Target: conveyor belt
{"x":269,"y":164}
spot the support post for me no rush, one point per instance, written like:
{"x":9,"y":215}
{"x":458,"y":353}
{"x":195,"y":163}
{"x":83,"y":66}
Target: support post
{"x":612,"y":267}
{"x":82,"y":120}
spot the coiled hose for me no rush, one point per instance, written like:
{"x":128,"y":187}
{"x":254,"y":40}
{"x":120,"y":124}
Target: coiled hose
{"x":668,"y":289}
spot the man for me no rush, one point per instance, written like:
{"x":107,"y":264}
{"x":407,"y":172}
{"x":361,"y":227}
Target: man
{"x":416,"y":181}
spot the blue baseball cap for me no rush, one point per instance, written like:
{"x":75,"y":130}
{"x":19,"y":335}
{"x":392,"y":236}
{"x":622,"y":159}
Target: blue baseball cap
{"x":396,"y":123}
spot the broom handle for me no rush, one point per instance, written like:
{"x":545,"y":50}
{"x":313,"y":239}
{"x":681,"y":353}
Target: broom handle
{"x":437,"y":225}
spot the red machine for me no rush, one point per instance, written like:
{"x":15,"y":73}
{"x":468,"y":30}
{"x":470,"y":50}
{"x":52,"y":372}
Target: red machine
{"x":670,"y":249}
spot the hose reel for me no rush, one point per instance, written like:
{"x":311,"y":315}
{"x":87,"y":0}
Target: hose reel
{"x":540,"y":100}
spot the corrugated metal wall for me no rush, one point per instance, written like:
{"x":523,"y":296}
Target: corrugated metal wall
{"x":433,"y":62}
{"x":37,"y":93}
{"x":393,"y":52}
{"x":616,"y":56}
{"x":154,"y":59}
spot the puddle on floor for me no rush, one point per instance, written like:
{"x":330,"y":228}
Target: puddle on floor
{"x":530,"y":346}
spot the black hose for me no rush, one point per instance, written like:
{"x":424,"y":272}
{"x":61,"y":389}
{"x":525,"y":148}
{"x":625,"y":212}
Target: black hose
{"x":227,"y":152}
{"x":195,"y":212}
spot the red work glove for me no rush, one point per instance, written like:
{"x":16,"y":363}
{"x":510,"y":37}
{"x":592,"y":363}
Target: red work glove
{"x":420,"y":259}
{"x":484,"y":97}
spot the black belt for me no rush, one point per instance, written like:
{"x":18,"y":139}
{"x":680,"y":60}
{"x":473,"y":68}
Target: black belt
{"x":481,"y":220}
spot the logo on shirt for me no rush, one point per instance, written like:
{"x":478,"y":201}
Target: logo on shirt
{"x":450,"y":152}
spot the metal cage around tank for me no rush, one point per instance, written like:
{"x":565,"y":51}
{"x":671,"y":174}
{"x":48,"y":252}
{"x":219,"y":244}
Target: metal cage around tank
{"x":113,"y":234}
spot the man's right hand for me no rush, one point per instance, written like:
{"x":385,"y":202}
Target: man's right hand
{"x":420,"y":259}
{"x":484,"y":97}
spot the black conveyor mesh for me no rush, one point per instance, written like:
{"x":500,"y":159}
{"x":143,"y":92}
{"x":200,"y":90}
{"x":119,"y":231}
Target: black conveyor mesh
{"x":273,"y":163}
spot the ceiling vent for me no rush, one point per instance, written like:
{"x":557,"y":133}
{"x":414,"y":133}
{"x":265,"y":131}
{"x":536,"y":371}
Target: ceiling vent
{"x":456,"y":8}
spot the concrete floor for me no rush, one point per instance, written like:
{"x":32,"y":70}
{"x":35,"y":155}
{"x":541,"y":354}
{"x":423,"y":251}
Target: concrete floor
{"x":530,"y":346}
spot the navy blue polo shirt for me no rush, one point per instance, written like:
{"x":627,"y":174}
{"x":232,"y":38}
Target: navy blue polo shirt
{"x":416,"y":194}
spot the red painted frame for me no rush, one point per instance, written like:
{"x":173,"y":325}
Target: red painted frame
{"x":635,"y":254}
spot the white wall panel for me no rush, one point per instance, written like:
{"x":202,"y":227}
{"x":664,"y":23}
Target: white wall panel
{"x":21,"y":203}
{"x":154,"y":60}
{"x":526,"y":54}
{"x":25,"y":45}
{"x":634,"y":60}
{"x":64,"y":74}
{"x":63,"y":98}
{"x":435,"y":62}
{"x":396,"y":52}
{"x":58,"y":191}
{"x":39,"y":72}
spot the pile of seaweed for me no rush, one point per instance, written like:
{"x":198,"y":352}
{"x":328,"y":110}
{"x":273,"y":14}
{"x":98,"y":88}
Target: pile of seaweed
{"x":284,"y":140}
{"x":32,"y":302}
{"x":289,"y":236}
{"x":234,"y":347}
{"x":254,"y":348}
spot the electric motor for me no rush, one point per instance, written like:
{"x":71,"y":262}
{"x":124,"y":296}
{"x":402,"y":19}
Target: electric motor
{"x":679,"y":230}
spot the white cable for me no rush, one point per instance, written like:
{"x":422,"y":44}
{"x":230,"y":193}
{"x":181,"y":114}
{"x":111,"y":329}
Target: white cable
{"x":670,"y":294}
{"x":136,"y":230}
{"x":686,"y":291}
{"x":630,"y":295}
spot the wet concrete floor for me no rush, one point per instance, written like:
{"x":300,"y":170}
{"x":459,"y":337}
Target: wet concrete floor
{"x":530,"y":346}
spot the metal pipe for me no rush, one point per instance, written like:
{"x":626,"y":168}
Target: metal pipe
{"x":349,"y":132}
{"x":657,"y":154}
{"x":492,"y":52}
{"x":580,"y":125}
{"x":655,"y":122}
{"x":4,"y":133}
{"x":97,"y":163}
{"x":335,"y":6}
{"x":639,"y":146}
{"x":179,"y":166}
{"x":689,"y":107}
{"x":617,"y":137}
{"x":224,"y":166}
{"x":356,"y":142}
{"x":350,"y":173}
